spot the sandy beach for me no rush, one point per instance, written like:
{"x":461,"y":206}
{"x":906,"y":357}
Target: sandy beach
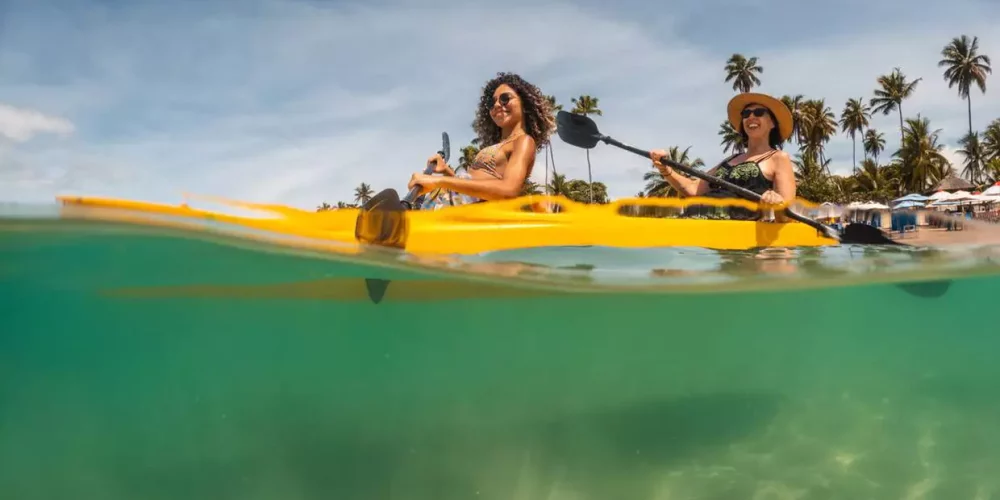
{"x":972,"y":233}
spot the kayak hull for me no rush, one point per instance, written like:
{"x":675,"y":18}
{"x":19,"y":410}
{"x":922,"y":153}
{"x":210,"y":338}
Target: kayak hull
{"x":484,"y":227}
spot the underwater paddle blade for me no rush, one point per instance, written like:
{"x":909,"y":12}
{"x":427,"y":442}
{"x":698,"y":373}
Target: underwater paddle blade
{"x":577,"y":130}
{"x":382,"y":221}
{"x":376,"y":288}
{"x":926,"y":289}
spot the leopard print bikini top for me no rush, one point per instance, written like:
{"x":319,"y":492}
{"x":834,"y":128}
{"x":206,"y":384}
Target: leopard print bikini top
{"x":486,"y":159}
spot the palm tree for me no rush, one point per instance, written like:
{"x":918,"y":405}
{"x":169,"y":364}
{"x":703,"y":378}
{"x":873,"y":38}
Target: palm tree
{"x":587,"y":105}
{"x":324,"y":207}
{"x":894,"y":89}
{"x":819,"y":124}
{"x":468,"y":156}
{"x":922,"y":162}
{"x":992,"y":169}
{"x":874,"y":143}
{"x":965,"y":67}
{"x":991,"y":140}
{"x":854,"y":119}
{"x":363,"y":193}
{"x":656,"y":185}
{"x":558,"y":186}
{"x":843,"y":189}
{"x":874,"y":181}
{"x":556,"y":108}
{"x":794,"y":104}
{"x":731,"y":139}
{"x":811,"y":179}
{"x":530,"y":188}
{"x":974,"y":161}
{"x":741,"y":71}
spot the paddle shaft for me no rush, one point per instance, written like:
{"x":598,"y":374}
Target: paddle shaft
{"x":445,"y":153}
{"x":746,"y":193}
{"x":408,"y":200}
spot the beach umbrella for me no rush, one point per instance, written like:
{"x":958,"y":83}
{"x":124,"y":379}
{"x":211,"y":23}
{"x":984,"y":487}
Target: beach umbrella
{"x":909,"y":204}
{"x":912,"y":197}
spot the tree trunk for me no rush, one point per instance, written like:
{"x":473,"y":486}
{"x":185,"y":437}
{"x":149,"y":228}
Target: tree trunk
{"x":553,"y":156}
{"x":968,"y":99}
{"x":590,"y":178}
{"x":900,"y":109}
{"x":854,"y":153}
{"x":863,"y":150}
{"x":548,"y":148}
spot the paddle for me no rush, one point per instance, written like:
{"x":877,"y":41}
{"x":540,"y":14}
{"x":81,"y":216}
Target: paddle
{"x":382,"y":221}
{"x":581,"y":131}
{"x":445,"y":153}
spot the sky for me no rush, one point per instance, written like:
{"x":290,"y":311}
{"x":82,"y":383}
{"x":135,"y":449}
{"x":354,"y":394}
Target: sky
{"x":299,"y":101}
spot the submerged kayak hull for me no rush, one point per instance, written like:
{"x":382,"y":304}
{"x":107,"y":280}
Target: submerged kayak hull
{"x":485,"y":227}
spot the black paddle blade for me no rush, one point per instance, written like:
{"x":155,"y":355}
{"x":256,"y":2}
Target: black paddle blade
{"x":445,"y":147}
{"x":577,"y":130}
{"x":926,"y":289}
{"x":382,"y":221}
{"x":376,"y":288}
{"x":863,"y":234}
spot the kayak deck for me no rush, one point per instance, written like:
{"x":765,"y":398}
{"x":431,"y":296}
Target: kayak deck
{"x":523,"y":222}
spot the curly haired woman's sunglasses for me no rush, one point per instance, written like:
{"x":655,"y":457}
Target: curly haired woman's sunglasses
{"x":504,"y":98}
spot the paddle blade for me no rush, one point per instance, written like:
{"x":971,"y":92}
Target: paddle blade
{"x":445,"y":147}
{"x":577,"y":130}
{"x":863,"y":234}
{"x":926,"y":289}
{"x":376,"y":288}
{"x":382,"y":221}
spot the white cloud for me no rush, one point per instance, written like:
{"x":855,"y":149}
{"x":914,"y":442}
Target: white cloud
{"x":296,"y":103}
{"x":20,"y":125}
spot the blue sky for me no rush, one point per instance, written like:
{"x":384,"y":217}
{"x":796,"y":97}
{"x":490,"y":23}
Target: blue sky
{"x":297,"y":102}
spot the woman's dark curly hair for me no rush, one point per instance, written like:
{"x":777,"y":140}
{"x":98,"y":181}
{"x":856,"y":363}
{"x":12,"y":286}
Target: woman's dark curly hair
{"x":535,"y":108}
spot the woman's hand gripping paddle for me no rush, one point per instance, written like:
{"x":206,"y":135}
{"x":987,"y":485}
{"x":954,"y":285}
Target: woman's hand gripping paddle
{"x":382,"y":221}
{"x":582,"y":132}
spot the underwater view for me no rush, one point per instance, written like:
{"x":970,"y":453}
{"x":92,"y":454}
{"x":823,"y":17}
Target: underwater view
{"x":142,"y":360}
{"x":452,"y":250}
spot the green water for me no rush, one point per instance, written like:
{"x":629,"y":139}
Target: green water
{"x":825,"y":392}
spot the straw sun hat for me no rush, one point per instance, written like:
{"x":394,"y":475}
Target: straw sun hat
{"x":778,"y":108}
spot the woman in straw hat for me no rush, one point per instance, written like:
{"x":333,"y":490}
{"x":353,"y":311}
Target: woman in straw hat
{"x":764,"y":123}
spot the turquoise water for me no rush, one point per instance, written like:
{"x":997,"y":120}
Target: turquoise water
{"x":165,"y":364}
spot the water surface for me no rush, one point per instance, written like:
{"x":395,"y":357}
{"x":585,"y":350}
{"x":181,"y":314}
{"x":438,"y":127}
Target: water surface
{"x":164,"y":364}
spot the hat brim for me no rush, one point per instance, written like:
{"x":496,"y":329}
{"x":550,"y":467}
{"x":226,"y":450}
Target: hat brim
{"x":778,"y":108}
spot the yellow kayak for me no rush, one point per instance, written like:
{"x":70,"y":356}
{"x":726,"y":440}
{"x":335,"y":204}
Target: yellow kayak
{"x":471,"y":229}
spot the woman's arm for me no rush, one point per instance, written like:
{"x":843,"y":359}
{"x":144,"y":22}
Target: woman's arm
{"x":784,"y":184}
{"x":518,"y":165}
{"x":440,"y":167}
{"x":684,"y":185}
{"x":784,"y":177}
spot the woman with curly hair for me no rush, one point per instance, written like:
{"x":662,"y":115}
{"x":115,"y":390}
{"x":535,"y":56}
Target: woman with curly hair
{"x":515,"y":120}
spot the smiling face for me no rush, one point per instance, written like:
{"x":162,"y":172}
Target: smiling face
{"x":506,"y":110}
{"x":757,"y":122}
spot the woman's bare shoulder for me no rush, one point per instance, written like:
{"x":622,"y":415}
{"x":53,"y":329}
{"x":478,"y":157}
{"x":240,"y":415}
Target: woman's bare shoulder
{"x":782,"y":158}
{"x":525,"y":140}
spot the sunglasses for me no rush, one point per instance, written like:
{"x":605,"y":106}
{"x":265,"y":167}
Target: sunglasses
{"x":504,"y":98}
{"x":758,"y":112}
